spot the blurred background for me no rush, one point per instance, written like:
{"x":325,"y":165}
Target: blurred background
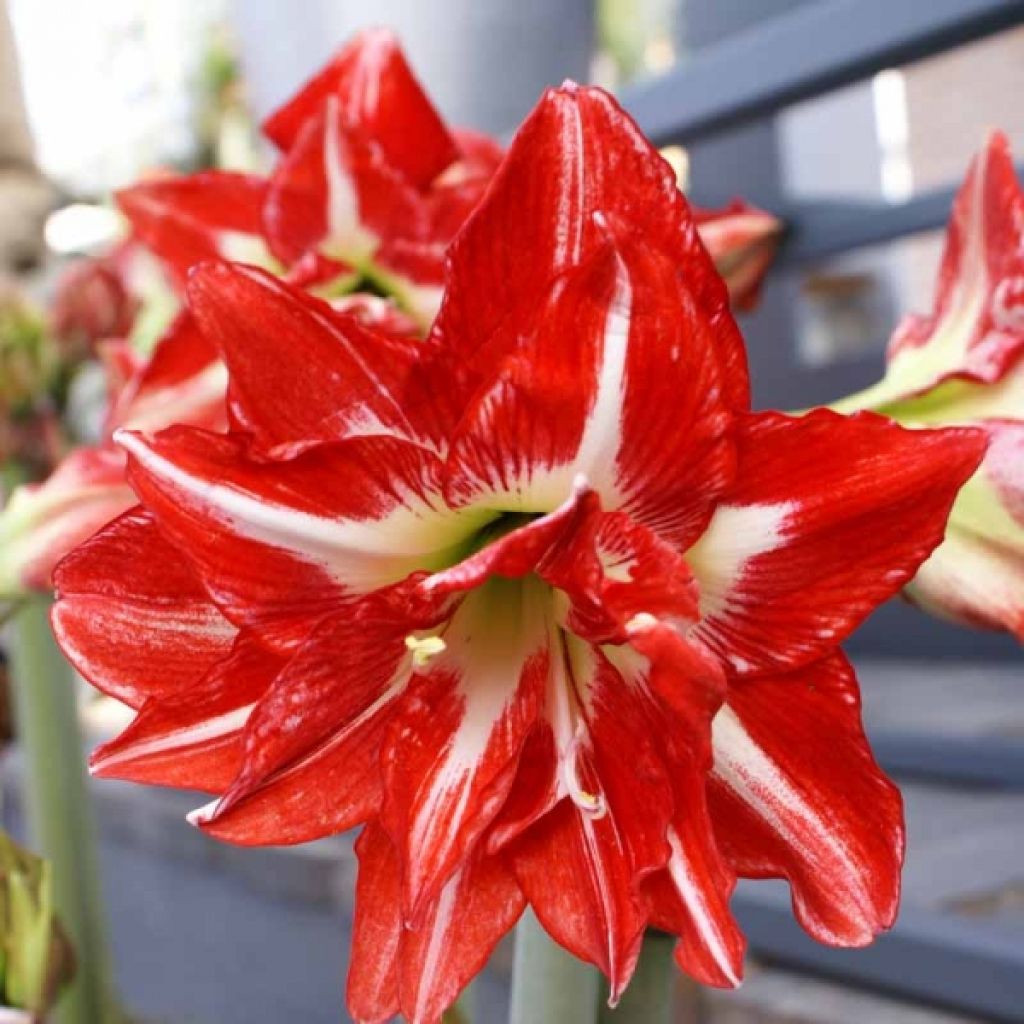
{"x":859,"y":160}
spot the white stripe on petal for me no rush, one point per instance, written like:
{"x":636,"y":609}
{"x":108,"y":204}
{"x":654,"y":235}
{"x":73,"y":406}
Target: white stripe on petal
{"x":363,"y":554}
{"x":692,"y":894}
{"x":759,"y":782}
{"x":179,"y":739}
{"x":735,"y":535}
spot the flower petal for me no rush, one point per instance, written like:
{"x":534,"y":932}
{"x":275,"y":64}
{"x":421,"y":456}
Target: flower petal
{"x":335,"y":192}
{"x":183,"y":381}
{"x":690,"y":897}
{"x":615,"y":379}
{"x":132,"y":617}
{"x":976,"y":576}
{"x":203,"y":216}
{"x":581,"y":865}
{"x":976,"y":328}
{"x":380,"y":99}
{"x":302,"y":373}
{"x":41,"y":523}
{"x":192,"y":739}
{"x":577,"y":154}
{"x":795,"y":793}
{"x":828,"y":517}
{"x":422,"y":971}
{"x":453,"y":746}
{"x":309,"y":767}
{"x":281,"y":544}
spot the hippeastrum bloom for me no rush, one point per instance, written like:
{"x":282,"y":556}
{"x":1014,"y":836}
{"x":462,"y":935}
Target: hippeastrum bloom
{"x":538,"y":601}
{"x":964,"y":364}
{"x":742,"y":241}
{"x":370,"y":175}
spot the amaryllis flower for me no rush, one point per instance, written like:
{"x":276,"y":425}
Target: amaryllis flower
{"x":538,"y":601}
{"x":964,"y":364}
{"x":371,"y":176}
{"x":742,"y":241}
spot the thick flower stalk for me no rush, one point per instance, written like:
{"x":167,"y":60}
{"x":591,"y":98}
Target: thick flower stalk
{"x":539,"y":602}
{"x":964,"y":364}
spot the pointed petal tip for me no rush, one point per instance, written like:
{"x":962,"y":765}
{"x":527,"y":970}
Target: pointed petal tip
{"x":204,"y":815}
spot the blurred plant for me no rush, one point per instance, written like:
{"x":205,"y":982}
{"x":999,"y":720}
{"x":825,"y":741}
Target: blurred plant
{"x":36,"y":958}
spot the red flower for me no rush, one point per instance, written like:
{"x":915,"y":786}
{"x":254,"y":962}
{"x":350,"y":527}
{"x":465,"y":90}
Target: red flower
{"x":538,"y":600}
{"x":964,"y":364}
{"x":370,"y":174}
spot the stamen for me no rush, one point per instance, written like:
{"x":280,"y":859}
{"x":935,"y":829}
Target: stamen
{"x":424,"y":648}
{"x":591,"y":804}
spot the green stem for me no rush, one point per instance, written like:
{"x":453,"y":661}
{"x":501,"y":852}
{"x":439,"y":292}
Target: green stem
{"x":649,"y":998}
{"x":59,"y":809}
{"x":549,"y":986}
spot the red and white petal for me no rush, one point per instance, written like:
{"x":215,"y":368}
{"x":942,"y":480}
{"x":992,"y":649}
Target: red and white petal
{"x":976,"y":576}
{"x":301,"y":372}
{"x":690,"y":897}
{"x":422,"y":971}
{"x":192,"y":739}
{"x":615,"y":379}
{"x":582,"y":864}
{"x":577,"y":154}
{"x":209,"y":215}
{"x":335,"y":192}
{"x":312,"y":744}
{"x":976,"y":328}
{"x":741,"y":240}
{"x":453,"y":747}
{"x":41,"y":523}
{"x":828,"y":517}
{"x":795,"y":793}
{"x":380,"y":99}
{"x":132,"y":617}
{"x":184,"y":381}
{"x":279,"y":545}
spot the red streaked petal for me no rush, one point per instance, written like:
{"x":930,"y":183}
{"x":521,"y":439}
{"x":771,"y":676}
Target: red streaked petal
{"x":132,"y":617}
{"x":976,"y":327}
{"x":186,"y":220}
{"x":310,"y":759}
{"x":192,"y":739}
{"x":575,"y":872}
{"x":828,"y":517}
{"x":335,"y":191}
{"x":795,"y":793}
{"x":301,"y":372}
{"x":183,"y":381}
{"x":581,"y":865}
{"x":690,"y":897}
{"x":615,"y":379}
{"x":377,"y":932}
{"x":380,"y":99}
{"x":578,"y":154}
{"x":281,"y":544}
{"x":454,"y":743}
{"x":41,"y":523}
{"x":422,"y":971}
